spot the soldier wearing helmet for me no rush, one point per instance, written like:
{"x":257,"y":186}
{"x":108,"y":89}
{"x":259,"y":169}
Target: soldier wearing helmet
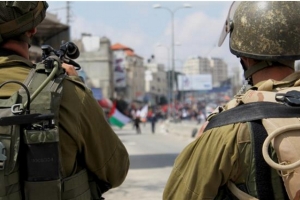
{"x":93,"y":159}
{"x":225,"y":161}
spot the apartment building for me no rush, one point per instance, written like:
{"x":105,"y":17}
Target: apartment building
{"x":155,"y":82}
{"x":214,"y":66}
{"x":128,"y":73}
{"x":96,"y":60}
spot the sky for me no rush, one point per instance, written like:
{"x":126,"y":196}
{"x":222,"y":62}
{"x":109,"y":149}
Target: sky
{"x":138,"y":25}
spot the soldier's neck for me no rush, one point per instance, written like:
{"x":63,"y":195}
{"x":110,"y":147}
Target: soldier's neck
{"x":21,"y":48}
{"x":274,"y":72}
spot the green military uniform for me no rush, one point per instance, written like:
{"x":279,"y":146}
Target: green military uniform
{"x":86,"y":139}
{"x":219,"y":155}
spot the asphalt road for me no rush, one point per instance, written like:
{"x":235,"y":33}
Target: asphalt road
{"x":151,"y":157}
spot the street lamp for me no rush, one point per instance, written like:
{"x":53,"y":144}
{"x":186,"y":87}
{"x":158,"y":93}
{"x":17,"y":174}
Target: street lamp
{"x":168,"y":69}
{"x":172,"y":12}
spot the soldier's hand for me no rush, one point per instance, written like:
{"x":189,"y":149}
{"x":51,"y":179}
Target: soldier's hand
{"x":71,"y":71}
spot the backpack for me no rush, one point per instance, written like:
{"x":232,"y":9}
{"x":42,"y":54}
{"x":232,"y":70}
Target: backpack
{"x":30,"y":166}
{"x":278,"y":113}
{"x":29,"y":140}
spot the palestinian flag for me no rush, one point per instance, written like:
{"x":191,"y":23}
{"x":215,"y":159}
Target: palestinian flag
{"x":116,"y":118}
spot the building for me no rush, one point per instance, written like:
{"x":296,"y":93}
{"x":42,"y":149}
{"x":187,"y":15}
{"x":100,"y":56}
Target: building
{"x":96,"y":61}
{"x":128,"y":73}
{"x":214,"y":66}
{"x":156,"y":82}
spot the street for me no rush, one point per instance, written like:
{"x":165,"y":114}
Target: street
{"x":151,"y":160}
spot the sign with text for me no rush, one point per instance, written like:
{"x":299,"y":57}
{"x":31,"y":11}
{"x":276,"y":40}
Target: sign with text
{"x":194,"y":82}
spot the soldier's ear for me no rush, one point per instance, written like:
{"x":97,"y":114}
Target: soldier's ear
{"x":30,"y":33}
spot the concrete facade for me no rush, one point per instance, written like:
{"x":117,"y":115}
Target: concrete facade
{"x":155,"y":81}
{"x":133,"y":87}
{"x":214,"y":66}
{"x":97,"y":65}
{"x":135,"y":78}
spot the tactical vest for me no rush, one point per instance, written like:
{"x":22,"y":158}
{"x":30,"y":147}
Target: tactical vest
{"x":30,"y":166}
{"x":273,"y":121}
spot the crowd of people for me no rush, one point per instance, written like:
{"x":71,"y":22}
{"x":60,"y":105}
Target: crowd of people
{"x":195,"y":112}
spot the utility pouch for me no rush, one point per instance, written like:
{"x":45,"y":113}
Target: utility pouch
{"x":41,"y":148}
{"x":41,"y":154}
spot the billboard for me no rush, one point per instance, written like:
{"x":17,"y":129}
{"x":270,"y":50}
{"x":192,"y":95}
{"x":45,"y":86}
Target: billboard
{"x":194,"y":82}
{"x":119,"y":69}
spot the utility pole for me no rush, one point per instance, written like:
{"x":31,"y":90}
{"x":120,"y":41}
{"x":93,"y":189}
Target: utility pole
{"x":173,"y":74}
{"x":68,"y":9}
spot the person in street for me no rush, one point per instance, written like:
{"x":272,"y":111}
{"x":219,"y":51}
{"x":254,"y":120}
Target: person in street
{"x":153,"y":120}
{"x":86,"y":140}
{"x":135,"y":113}
{"x":222,"y":162}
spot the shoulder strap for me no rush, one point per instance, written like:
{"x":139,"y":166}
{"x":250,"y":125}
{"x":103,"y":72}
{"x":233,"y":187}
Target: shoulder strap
{"x":262,"y":169}
{"x":253,"y":111}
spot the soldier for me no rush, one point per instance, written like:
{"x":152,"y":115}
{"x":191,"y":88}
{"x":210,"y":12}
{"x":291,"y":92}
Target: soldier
{"x":86,"y":140}
{"x":265,"y":37}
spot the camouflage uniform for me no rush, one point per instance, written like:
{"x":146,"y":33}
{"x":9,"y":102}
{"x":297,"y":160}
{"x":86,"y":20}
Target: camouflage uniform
{"x":219,"y":155}
{"x":86,"y":139}
{"x":267,"y":33}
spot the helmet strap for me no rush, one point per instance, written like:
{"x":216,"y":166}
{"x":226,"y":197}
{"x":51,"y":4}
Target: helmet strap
{"x":248,"y":79}
{"x":261,"y":65}
{"x":255,"y":68}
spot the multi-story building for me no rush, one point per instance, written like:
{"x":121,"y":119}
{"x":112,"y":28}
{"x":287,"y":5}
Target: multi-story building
{"x":96,"y":61}
{"x":128,"y":73}
{"x":219,"y":71}
{"x":214,"y":66}
{"x":155,"y":82}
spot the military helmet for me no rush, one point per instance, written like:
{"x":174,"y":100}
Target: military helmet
{"x":17,"y":17}
{"x":268,"y":30}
